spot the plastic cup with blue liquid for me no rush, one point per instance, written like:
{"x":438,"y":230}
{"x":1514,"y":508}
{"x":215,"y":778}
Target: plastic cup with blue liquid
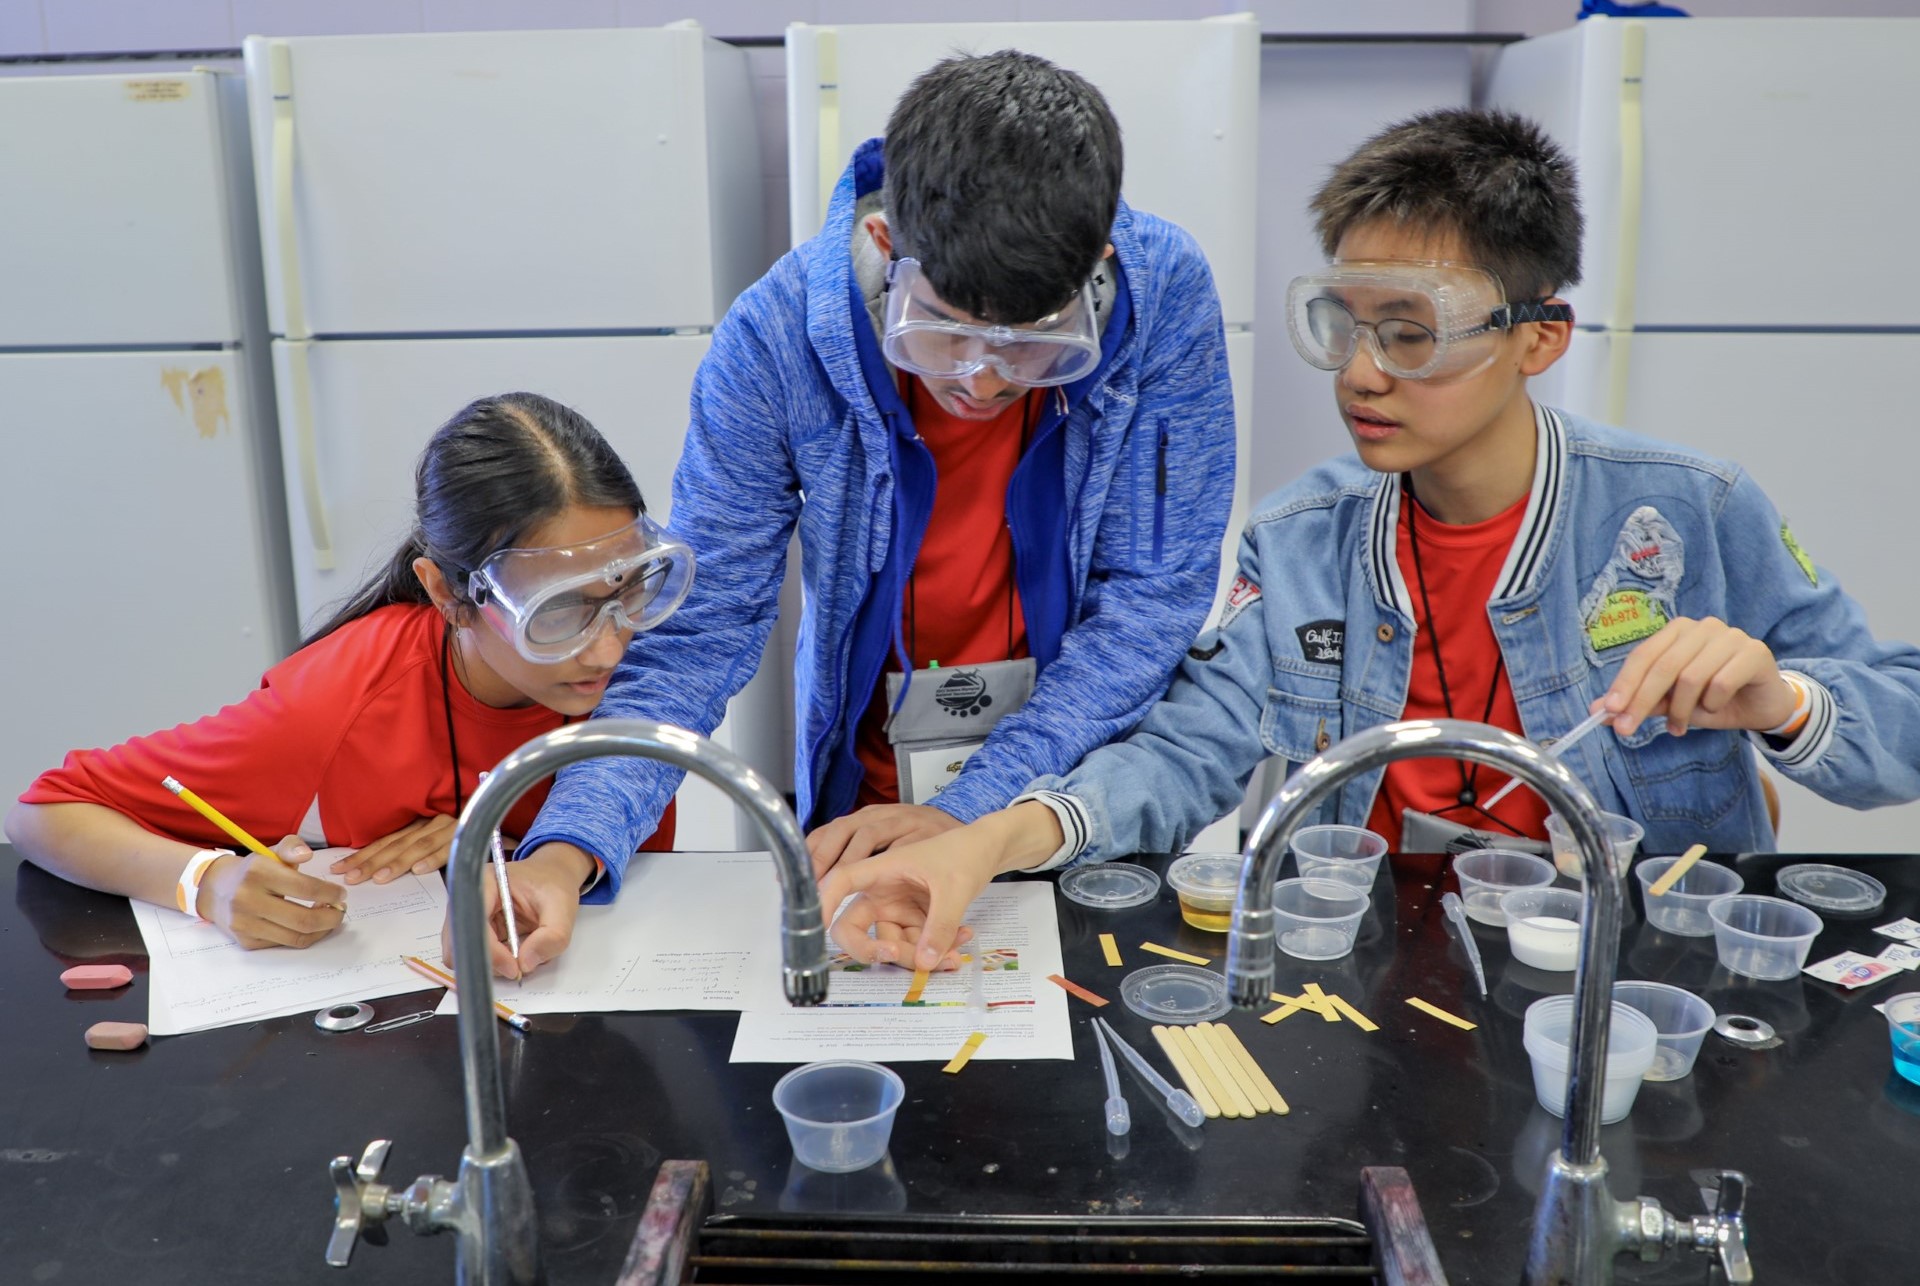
{"x":1903,"y":1015}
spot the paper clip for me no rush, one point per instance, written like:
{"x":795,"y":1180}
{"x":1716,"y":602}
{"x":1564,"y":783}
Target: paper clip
{"x":404,"y":1020}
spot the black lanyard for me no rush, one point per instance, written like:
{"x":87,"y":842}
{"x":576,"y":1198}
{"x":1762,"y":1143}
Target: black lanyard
{"x":1469,"y":773}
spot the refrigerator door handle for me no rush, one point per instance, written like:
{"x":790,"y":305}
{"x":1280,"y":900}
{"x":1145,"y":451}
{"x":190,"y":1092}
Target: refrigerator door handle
{"x":1633,"y":62}
{"x":300,"y":398}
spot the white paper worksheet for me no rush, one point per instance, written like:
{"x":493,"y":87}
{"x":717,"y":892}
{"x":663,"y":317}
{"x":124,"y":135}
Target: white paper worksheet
{"x":874,"y":1013}
{"x":198,"y":977}
{"x":688,"y":931}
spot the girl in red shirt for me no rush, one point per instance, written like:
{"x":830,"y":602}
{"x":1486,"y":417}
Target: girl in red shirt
{"x":529,"y":569}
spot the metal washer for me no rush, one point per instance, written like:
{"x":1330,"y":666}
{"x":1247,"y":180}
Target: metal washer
{"x":1743,"y":1030}
{"x":344,"y":1017}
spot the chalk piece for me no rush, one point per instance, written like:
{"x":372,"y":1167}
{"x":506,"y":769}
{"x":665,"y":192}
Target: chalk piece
{"x":1440,"y":1013}
{"x":96,"y":977}
{"x":1110,"y":949}
{"x":116,"y":1035}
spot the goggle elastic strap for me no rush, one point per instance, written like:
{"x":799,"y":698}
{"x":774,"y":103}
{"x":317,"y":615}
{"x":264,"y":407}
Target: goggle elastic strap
{"x":1507,"y":316}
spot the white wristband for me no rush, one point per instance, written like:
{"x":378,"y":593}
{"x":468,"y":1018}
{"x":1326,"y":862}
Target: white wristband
{"x":186,"y":894}
{"x":1802,"y":707}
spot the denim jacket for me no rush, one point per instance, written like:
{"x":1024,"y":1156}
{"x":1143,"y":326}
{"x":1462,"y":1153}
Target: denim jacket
{"x":1620,"y":534}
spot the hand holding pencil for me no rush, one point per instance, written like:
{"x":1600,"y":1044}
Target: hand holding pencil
{"x":257,"y":896}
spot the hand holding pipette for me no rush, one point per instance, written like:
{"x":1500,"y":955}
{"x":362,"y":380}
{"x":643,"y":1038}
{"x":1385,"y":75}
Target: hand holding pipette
{"x":1119,"y":1120}
{"x":1179,"y":1102}
{"x":1557,"y":749}
{"x":1457,"y":912}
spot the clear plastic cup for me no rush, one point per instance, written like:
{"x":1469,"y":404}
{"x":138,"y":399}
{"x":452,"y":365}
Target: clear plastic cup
{"x":1762,"y":937}
{"x":1682,"y":909}
{"x":1631,"y":1041}
{"x":1317,"y":919}
{"x":1486,"y":874}
{"x":1350,"y":854}
{"x":1903,"y":1022}
{"x":1680,"y":1018}
{"x":839,"y":1114}
{"x":1207,"y":885}
{"x":1623,"y":835}
{"x":1543,"y":926}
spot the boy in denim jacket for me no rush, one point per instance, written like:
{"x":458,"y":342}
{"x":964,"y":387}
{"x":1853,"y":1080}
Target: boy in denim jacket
{"x":1477,"y":557}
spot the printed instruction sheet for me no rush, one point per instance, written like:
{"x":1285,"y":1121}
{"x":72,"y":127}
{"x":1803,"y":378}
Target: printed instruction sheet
{"x":879,"y":1013}
{"x":199,"y":978}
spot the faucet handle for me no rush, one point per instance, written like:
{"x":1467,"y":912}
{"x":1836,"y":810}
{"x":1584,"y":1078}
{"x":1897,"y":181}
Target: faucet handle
{"x":359,"y":1199}
{"x":1723,"y":1229}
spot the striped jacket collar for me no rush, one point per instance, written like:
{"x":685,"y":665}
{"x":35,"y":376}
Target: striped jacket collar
{"x":1526,"y":558}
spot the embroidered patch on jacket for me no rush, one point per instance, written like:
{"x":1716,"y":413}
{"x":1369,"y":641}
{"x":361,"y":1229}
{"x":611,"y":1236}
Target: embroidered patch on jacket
{"x":1323,"y":641}
{"x":1241,"y":595}
{"x":1624,"y":616}
{"x":1799,"y":554}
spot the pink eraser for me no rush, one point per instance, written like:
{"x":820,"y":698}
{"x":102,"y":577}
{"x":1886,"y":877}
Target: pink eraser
{"x":116,"y":1035}
{"x":96,"y":977}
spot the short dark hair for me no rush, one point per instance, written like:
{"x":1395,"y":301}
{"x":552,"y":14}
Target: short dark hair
{"x":1492,"y":178}
{"x":499,"y":468}
{"x":1003,"y":178}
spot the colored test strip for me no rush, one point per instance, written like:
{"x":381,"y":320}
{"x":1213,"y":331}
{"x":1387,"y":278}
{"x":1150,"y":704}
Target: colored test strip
{"x":1353,"y":1015}
{"x":1110,"y":949}
{"x":1075,"y":989}
{"x":967,"y":1051}
{"x":917,"y":988}
{"x":1171,"y":954}
{"x":1316,"y":1000}
{"x":1440,"y":1013}
{"x":1289,"y":1006}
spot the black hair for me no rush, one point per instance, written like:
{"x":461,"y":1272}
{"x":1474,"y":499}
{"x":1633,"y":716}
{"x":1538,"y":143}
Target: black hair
{"x":1003,"y":178}
{"x":1492,"y":178}
{"x":499,"y":468}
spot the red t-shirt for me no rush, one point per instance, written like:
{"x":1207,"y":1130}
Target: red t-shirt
{"x":961,"y":606}
{"x":1461,"y":565}
{"x":350,"y":731}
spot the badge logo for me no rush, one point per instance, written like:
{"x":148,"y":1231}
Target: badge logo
{"x":1624,"y":616}
{"x":1323,"y":641}
{"x":1241,"y":595}
{"x":1799,"y":554}
{"x":963,"y":693}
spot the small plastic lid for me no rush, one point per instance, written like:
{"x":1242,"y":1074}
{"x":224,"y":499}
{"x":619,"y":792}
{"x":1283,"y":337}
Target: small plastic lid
{"x":1831,"y":888}
{"x":1175,"y":993}
{"x":1211,"y":876}
{"x":1110,"y":886}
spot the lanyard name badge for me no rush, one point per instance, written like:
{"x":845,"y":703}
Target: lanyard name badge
{"x":946,"y":716}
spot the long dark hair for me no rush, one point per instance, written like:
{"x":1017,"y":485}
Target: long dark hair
{"x":499,"y":468}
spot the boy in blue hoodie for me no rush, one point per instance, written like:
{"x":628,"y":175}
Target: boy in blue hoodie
{"x":1479,"y":556}
{"x":993,"y":401}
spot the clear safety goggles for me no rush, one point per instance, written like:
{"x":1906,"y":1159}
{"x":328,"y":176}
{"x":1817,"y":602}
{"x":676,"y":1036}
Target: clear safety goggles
{"x":922,"y":336}
{"x":551,"y":603}
{"x":1421,"y":320}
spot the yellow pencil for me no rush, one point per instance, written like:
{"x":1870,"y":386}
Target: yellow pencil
{"x":218,"y":818}
{"x":513,"y":1017}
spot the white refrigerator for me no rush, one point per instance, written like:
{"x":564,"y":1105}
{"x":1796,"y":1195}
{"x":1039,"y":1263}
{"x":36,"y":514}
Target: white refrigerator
{"x":1186,"y":95}
{"x":1748,"y":290}
{"x":146,"y":579}
{"x":448,"y":216}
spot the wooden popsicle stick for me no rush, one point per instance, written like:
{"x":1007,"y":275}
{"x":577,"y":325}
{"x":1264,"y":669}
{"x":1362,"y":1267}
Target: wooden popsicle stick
{"x":1181,"y":1064}
{"x":1231,"y":1039}
{"x":1232,"y":1101}
{"x":1223,"y":1052}
{"x":1664,"y":885}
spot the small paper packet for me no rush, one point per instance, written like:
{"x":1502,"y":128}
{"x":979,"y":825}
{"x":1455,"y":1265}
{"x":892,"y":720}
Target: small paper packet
{"x":1904,"y":930}
{"x":1904,"y":954}
{"x":1850,"y":969}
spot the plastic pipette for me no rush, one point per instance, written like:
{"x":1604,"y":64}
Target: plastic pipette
{"x":1457,"y":912}
{"x":1119,"y":1120}
{"x":977,"y":990}
{"x":1557,"y":749}
{"x":1179,"y":1102}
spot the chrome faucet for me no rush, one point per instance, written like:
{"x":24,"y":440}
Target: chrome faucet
{"x":1578,"y":1227}
{"x":490,"y":1205}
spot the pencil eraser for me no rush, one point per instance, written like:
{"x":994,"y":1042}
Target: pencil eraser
{"x":116,"y":1035}
{"x":96,"y":977}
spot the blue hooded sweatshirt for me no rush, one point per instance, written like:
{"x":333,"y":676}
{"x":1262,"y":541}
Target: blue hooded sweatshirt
{"x":1116,"y":510}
